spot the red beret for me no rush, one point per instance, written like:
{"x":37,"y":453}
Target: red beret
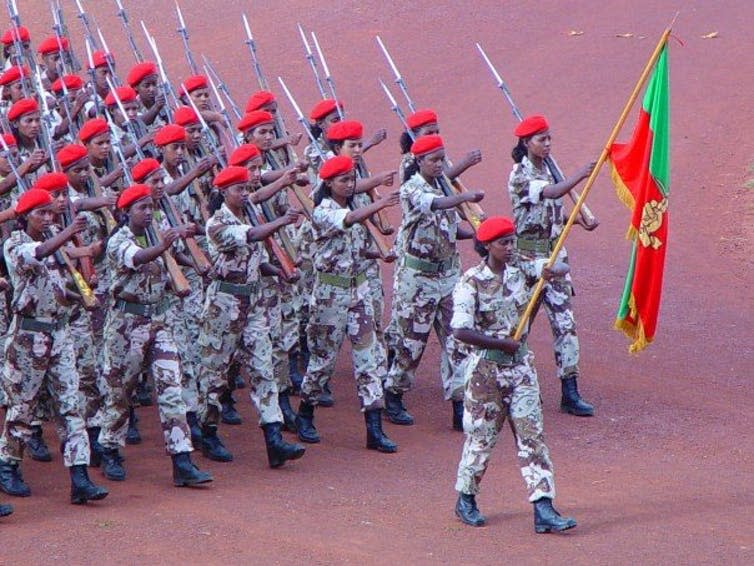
{"x":21,"y":107}
{"x":92,"y":128}
{"x":132,"y":194}
{"x":185,"y":116}
{"x":243,"y":153}
{"x":10,"y":35}
{"x":72,"y":82}
{"x":51,"y":45}
{"x":338,"y":165}
{"x":254,"y":119}
{"x":13,"y":74}
{"x":99,"y":58}
{"x":421,"y":118}
{"x":493,"y":228}
{"x":51,"y":182}
{"x":530,"y":126}
{"x":259,"y":99}
{"x":125,"y":94}
{"x":231,"y":176}
{"x":10,"y":140}
{"x":70,"y":154}
{"x":426,"y":144}
{"x":323,"y":108}
{"x":194,"y":82}
{"x":31,"y":199}
{"x":140,"y":71}
{"x":171,"y":133}
{"x":144,"y":169}
{"x":345,"y":130}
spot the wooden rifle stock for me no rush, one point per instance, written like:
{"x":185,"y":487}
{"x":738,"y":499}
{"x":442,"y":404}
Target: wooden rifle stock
{"x":110,"y":223}
{"x":178,"y":280}
{"x":87,"y":296}
{"x":201,"y":263}
{"x":273,"y":248}
{"x":380,"y":218}
{"x":471,"y":211}
{"x":306,"y":203}
{"x":86,"y":263}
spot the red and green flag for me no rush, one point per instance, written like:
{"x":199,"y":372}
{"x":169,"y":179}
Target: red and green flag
{"x":640,"y":170}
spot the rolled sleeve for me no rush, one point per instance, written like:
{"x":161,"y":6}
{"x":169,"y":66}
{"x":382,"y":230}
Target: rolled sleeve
{"x":464,"y":300}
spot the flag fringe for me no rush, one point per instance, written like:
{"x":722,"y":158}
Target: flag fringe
{"x":633,"y":330}
{"x":624,"y":195}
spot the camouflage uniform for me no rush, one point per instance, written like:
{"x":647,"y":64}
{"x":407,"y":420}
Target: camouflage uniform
{"x":340,"y":306}
{"x":539,"y":222}
{"x":134,"y":338}
{"x":39,"y":354}
{"x":500,"y":385}
{"x":234,"y":327}
{"x":428,"y":269}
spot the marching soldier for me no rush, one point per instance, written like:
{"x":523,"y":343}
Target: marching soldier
{"x":501,"y":381}
{"x":24,"y":119}
{"x":143,"y":79}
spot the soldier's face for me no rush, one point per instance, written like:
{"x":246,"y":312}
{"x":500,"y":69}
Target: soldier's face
{"x":193,"y":135}
{"x":235,"y":195}
{"x":132,"y":111}
{"x":140,"y":214}
{"x":40,"y":219}
{"x":28,"y":125}
{"x":325,"y":123}
{"x":255,"y":171}
{"x":156,"y":182}
{"x":502,"y":249}
{"x":17,"y":91}
{"x":59,"y":201}
{"x":538,"y":145}
{"x":147,"y":89}
{"x":262,"y":136}
{"x":200,"y":96}
{"x":271,"y":107}
{"x":78,"y":173}
{"x":430,"y":165}
{"x":428,"y":129}
{"x":343,"y":185}
{"x":99,"y":147}
{"x":101,"y":74}
{"x":352,"y":148}
{"x":174,"y":154}
{"x":51,"y":61}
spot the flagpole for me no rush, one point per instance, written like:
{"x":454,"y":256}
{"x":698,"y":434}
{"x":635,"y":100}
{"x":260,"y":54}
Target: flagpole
{"x":593,"y":177}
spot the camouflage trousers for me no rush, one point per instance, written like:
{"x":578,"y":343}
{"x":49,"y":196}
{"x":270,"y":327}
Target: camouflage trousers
{"x":184,"y":319}
{"x":334,"y":313}
{"x":90,"y":395}
{"x":376,"y":296}
{"x":421,"y":301}
{"x":235,"y":332}
{"x":132,"y":344}
{"x":37,"y":362}
{"x":495,"y":392}
{"x":269,"y":303}
{"x":4,"y":319}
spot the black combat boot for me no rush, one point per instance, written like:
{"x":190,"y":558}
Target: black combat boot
{"x":278,"y":451}
{"x":143,"y":395}
{"x":132,"y":434}
{"x":36,"y":446}
{"x":395,"y":411}
{"x":289,"y":417}
{"x":212,"y":446}
{"x":112,"y":464}
{"x":325,"y":398}
{"x":228,"y":414}
{"x":293,"y":371}
{"x":467,"y":511}
{"x":82,"y":488}
{"x":458,"y":415}
{"x":305,"y":424}
{"x":304,"y":349}
{"x":11,"y":480}
{"x":376,"y":439}
{"x":6,"y":510}
{"x":547,"y":519}
{"x":95,"y":448}
{"x":194,"y":427}
{"x":571,"y":402}
{"x":185,"y":473}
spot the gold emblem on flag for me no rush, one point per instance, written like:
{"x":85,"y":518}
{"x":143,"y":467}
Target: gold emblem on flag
{"x":651,"y":220}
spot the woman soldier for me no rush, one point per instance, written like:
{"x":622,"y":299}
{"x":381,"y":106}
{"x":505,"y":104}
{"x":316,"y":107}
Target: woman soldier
{"x":500,"y":379}
{"x":340,"y":304}
{"x":428,"y":269}
{"x":25,"y":125}
{"x":136,"y":334}
{"x":39,"y":350}
{"x":234,"y":327}
{"x":538,"y":212}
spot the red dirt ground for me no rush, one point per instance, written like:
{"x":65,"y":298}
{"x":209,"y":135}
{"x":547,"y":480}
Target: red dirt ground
{"x":661,"y":475}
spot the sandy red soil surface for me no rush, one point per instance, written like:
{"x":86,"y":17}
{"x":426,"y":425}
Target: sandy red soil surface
{"x":662,"y":473}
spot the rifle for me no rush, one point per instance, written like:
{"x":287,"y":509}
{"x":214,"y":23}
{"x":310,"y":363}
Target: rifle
{"x":121,"y":13}
{"x":94,"y":189}
{"x":20,"y":182}
{"x":328,"y":76}
{"x":18,"y":44}
{"x":93,"y":77}
{"x":85,"y":262}
{"x":472,"y":214}
{"x":201,"y":263}
{"x":130,"y":125}
{"x":273,"y":248}
{"x":61,"y":30}
{"x":253,"y":51}
{"x":223,"y":109}
{"x":557,"y":174}
{"x":178,"y":281}
{"x":312,"y":62}
{"x":85,"y":22}
{"x":61,"y":257}
{"x":183,"y":32}
{"x":109,"y":58}
{"x":222,"y":87}
{"x":167,"y":88}
{"x":46,"y":143}
{"x":382,"y":246}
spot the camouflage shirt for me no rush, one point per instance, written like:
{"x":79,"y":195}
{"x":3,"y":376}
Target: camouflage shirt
{"x":233,"y":258}
{"x":425,"y":233}
{"x":38,"y":284}
{"x":141,"y":284}
{"x":340,"y":248}
{"x":491,"y":303}
{"x":536,"y":217}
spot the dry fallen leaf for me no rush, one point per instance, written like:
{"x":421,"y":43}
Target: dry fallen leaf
{"x":624,"y":35}
{"x":710,"y":35}
{"x":574,"y":32}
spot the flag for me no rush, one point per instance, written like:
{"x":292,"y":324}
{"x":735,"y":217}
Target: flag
{"x":640,"y":170}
